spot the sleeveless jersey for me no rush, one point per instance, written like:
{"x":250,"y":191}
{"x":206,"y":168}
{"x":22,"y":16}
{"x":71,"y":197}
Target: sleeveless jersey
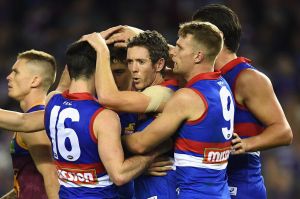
{"x":69,"y":124}
{"x":156,"y":187}
{"x":245,"y":168}
{"x":203,"y":146}
{"x":28,"y":182}
{"x":128,"y":122}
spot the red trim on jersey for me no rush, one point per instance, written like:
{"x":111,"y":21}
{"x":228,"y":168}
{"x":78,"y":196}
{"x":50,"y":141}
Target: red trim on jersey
{"x":99,"y":167}
{"x":230,"y":65}
{"x":199,"y":147}
{"x":202,"y":76}
{"x":92,"y":134}
{"x":78,"y":96}
{"x":248,"y":129}
{"x":193,"y":122}
{"x":172,"y":82}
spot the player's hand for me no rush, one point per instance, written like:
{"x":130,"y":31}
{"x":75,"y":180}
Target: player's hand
{"x":107,"y":33}
{"x":121,"y":37}
{"x":160,"y":166}
{"x":96,"y":41}
{"x":239,"y":145}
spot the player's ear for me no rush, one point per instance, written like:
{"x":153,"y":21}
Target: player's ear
{"x":160,"y":64}
{"x":198,"y":57}
{"x":36,"y":81}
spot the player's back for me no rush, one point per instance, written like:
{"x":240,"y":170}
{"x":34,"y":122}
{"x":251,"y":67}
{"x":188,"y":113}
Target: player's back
{"x":203,"y":146}
{"x":28,"y":182}
{"x":69,"y":123}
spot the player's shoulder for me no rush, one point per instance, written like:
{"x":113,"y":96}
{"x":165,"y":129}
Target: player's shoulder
{"x":107,"y":113}
{"x":249,"y":77}
{"x":185,"y":96}
{"x":51,"y":94}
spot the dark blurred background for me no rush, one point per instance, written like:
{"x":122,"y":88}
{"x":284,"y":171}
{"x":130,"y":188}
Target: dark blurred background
{"x":271,"y":38}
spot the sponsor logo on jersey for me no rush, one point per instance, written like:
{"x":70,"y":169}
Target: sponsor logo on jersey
{"x":78,"y":176}
{"x":129,"y":129}
{"x":232,"y":191}
{"x":215,"y":156}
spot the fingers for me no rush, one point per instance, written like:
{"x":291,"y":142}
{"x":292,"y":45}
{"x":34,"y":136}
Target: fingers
{"x":107,"y":33}
{"x":153,"y":173}
{"x":120,"y":45}
{"x":162,"y":163}
{"x":159,"y":171}
{"x":117,"y":37}
{"x":236,"y":139}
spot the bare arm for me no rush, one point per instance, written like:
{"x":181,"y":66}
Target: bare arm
{"x":121,"y":170}
{"x":262,"y":102}
{"x":188,"y":105}
{"x":39,"y":147}
{"x":107,"y":91}
{"x":15,"y":121}
{"x":10,"y":195}
{"x":65,"y":81}
{"x":120,"y":38}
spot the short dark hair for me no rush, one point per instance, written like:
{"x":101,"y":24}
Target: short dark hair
{"x":206,"y":34}
{"x":225,"y":19}
{"x":117,"y":55}
{"x":81,"y":60}
{"x":154,"y":42}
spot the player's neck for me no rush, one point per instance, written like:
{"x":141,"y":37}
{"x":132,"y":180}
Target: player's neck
{"x":82,"y":86}
{"x":224,"y":57}
{"x":35,"y":97}
{"x":203,"y":67}
{"x":158,"y":79}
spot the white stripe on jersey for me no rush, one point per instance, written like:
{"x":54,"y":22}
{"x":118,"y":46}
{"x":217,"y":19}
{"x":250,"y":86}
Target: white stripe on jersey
{"x":184,"y":160}
{"x":256,"y":153}
{"x":103,"y":181}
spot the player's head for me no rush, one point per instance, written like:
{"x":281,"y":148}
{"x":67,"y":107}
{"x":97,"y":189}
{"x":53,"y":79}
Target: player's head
{"x":147,"y":54}
{"x":32,"y":70}
{"x":81,"y":60}
{"x":119,"y":67}
{"x":198,"y":43}
{"x":226,"y":20}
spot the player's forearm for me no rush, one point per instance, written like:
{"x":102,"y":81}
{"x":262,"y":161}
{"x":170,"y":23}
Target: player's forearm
{"x":136,"y":144}
{"x":132,"y":168}
{"x":15,"y":121}
{"x":272,"y":136}
{"x":64,"y":82}
{"x":10,"y":195}
{"x":105,"y":85}
{"x":51,"y":184}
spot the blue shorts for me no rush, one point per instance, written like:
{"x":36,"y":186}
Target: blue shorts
{"x":155,"y":187}
{"x":126,"y":191}
{"x":247,"y":190}
{"x":204,"y":190}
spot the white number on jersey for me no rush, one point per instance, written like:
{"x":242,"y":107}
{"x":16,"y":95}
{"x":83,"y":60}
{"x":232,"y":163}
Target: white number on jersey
{"x":59,"y":133}
{"x":228,"y":114}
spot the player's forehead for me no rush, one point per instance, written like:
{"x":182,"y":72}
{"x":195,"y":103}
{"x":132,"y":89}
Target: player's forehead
{"x":138,"y":52}
{"x":19,"y":64}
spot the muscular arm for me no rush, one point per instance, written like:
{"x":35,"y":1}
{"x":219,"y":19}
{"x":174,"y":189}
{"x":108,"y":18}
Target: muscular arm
{"x":15,"y":121}
{"x":39,"y":147}
{"x":262,"y":102}
{"x":121,"y":170}
{"x":184,"y":105}
{"x":107,"y":91}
